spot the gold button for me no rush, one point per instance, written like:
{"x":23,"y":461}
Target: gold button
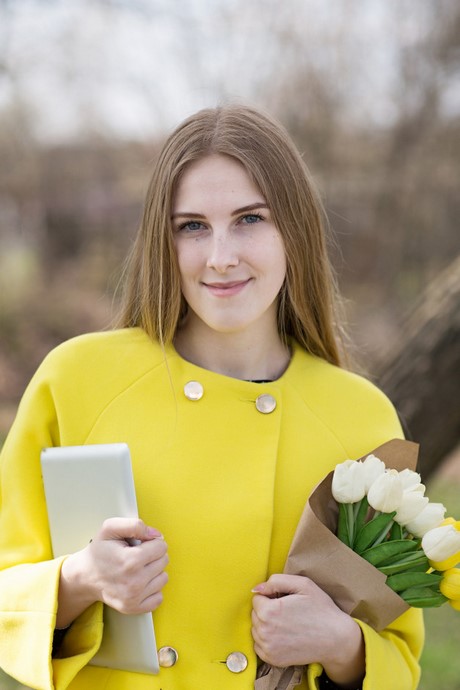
{"x":167,"y":656}
{"x":265,"y":403}
{"x":193,"y":390}
{"x":236,"y":662}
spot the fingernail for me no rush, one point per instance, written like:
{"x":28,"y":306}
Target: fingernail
{"x":258,"y":588}
{"x":152,"y":532}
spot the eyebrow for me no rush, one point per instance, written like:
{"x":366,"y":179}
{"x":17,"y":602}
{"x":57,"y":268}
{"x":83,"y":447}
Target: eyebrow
{"x":243,"y":209}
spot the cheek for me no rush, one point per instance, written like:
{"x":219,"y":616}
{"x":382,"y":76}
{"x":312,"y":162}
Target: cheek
{"x":278,"y":259}
{"x":187,"y":260}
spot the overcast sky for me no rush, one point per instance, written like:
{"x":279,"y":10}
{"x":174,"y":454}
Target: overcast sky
{"x":131,"y":68}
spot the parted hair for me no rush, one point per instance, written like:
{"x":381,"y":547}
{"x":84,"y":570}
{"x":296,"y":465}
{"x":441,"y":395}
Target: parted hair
{"x":307,"y":304}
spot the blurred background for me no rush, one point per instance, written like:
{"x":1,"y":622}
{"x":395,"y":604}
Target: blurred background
{"x":370,"y":92}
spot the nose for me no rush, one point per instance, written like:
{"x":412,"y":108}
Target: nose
{"x":223,"y":253}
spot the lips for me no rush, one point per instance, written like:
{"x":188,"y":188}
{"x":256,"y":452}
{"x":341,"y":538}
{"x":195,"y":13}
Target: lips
{"x":227,"y":289}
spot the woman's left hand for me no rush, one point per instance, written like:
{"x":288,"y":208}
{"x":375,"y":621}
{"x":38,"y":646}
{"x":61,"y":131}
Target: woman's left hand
{"x":296,"y":623}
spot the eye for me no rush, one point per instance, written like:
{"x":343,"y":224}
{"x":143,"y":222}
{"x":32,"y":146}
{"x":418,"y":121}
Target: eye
{"x":251,"y":218}
{"x":191,"y":226}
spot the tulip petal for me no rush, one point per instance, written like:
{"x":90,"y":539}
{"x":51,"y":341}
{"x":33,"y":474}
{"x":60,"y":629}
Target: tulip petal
{"x":429,"y":518}
{"x":411,"y":506}
{"x":373,"y":468}
{"x":447,"y":563}
{"x":386,"y":492}
{"x":348,"y":484}
{"x":442,"y":544}
{"x":450,"y":584}
{"x":409,"y":478}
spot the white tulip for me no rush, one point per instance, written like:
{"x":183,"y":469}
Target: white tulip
{"x":412,"y":505}
{"x":409,"y":479}
{"x":430,"y":517}
{"x":373,"y":468}
{"x":386,"y":492}
{"x":441,"y":543}
{"x":416,"y":488}
{"x":348,"y":483}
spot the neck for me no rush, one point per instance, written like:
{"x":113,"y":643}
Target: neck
{"x":239,"y":355}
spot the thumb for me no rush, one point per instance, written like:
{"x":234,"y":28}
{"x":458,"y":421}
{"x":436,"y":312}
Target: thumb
{"x":128,"y":529}
{"x":280,"y":584}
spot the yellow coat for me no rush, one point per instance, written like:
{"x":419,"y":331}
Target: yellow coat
{"x":225,"y":484}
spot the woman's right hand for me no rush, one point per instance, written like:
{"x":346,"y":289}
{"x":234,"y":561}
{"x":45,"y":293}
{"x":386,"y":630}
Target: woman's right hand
{"x":128,"y":578}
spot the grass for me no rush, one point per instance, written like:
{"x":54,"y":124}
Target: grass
{"x":441,"y":658}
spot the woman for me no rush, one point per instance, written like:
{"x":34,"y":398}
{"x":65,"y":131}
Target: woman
{"x":224,"y":379}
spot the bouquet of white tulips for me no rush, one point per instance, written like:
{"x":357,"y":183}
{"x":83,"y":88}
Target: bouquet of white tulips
{"x":371,"y":539}
{"x":385,"y":517}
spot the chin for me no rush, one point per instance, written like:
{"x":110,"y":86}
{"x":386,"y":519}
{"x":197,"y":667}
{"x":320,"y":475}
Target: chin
{"x":227,"y":326}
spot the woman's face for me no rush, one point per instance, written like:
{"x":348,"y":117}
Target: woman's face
{"x":231,"y":256}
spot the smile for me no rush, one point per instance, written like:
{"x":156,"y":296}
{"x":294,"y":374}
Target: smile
{"x":227,"y":289}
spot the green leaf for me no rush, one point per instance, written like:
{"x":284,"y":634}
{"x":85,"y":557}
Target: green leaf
{"x":384,"y":553}
{"x":404,"y":581}
{"x":396,"y":532}
{"x":371,"y":531}
{"x":423,"y":597}
{"x":410,"y":561}
{"x":360,"y":512}
{"x":416,"y":547}
{"x":421,"y":568}
{"x":342,"y":525}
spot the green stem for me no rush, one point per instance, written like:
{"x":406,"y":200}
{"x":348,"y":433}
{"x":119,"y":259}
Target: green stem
{"x":356,"y":507}
{"x":383,"y":534}
{"x":350,"y":523}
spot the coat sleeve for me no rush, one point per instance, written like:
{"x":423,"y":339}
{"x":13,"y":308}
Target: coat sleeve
{"x":29,"y":576}
{"x":391,"y":655}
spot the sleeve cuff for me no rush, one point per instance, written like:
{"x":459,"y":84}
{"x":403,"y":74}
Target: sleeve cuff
{"x":80,"y":644}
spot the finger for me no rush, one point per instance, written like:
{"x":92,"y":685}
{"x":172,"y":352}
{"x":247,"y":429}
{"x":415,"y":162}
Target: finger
{"x":256,"y":637}
{"x":127,"y":528}
{"x":147,"y":554}
{"x":260,"y":652}
{"x":260,"y":605}
{"x":151,"y":603}
{"x":156,"y":584}
{"x":154,"y":568}
{"x":257,"y":624}
{"x":266,"y":609}
{"x":130,"y":594}
{"x":154,"y":597}
{"x":281,"y":584}
{"x":260,"y":649}
{"x":143,"y":561}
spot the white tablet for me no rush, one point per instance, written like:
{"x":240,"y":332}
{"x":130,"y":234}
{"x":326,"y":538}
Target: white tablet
{"x":84,"y":485}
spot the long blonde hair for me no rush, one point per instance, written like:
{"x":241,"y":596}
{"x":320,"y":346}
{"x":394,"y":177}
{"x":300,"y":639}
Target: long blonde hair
{"x":307,"y":305}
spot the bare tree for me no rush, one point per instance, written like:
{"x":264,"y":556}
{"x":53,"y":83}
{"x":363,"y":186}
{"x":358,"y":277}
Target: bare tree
{"x":422,"y":374}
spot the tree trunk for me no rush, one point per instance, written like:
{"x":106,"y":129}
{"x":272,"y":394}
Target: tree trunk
{"x":422,"y":376}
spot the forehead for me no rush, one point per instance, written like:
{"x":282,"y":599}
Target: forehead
{"x":217,"y":177}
